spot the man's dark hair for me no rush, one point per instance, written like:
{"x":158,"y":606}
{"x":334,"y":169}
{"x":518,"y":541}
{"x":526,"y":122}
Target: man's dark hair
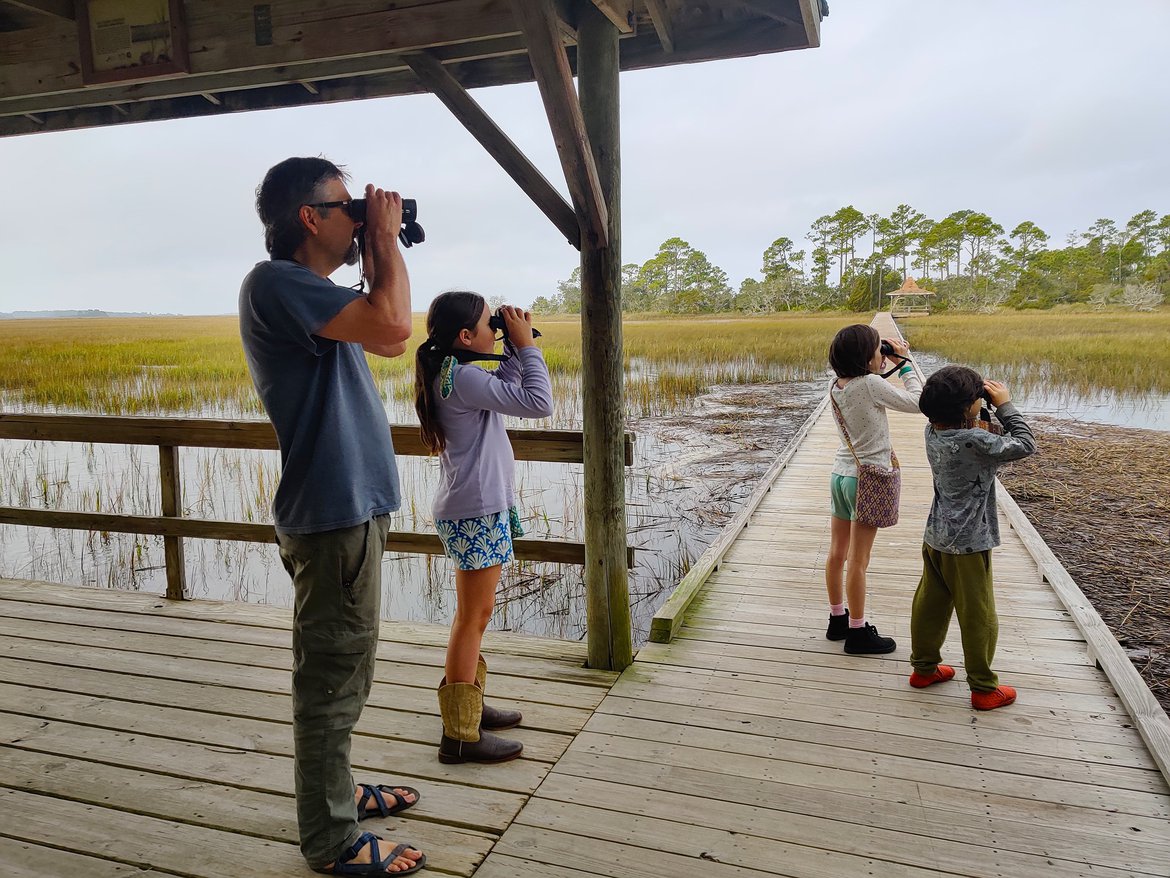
{"x":852,"y":347}
{"x":948,"y":393}
{"x":279,"y":197}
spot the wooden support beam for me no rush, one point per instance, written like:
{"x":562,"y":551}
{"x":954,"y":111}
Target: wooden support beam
{"x":663,"y":26}
{"x":606,"y":579}
{"x":310,"y":88}
{"x":443,"y":85}
{"x":550,"y":65}
{"x":620,"y":12}
{"x":212,"y":99}
{"x":172,"y":507}
{"x":56,"y":8}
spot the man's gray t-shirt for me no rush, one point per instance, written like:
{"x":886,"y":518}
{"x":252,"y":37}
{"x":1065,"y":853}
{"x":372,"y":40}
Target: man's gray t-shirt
{"x":338,"y":467}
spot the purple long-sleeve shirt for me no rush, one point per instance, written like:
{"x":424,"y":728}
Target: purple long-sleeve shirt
{"x":477,"y":465}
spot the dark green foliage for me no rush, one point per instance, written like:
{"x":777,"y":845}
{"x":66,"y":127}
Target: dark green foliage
{"x":966,"y":257}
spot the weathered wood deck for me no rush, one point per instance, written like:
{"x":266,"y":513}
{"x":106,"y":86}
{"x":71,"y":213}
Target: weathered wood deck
{"x":750,"y":745}
{"x":152,"y":737}
{"x":149,"y":734}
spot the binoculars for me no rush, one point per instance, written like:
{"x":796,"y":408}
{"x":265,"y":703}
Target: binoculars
{"x":410,"y":234}
{"x":496,"y":324}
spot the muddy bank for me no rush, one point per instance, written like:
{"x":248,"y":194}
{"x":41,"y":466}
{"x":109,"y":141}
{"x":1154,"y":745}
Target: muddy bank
{"x":1100,"y":497}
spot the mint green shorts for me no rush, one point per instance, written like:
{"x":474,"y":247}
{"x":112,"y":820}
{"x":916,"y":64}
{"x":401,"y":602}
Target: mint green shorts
{"x":843,"y":496}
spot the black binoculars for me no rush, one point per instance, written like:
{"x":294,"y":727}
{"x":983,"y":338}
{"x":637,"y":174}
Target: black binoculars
{"x":411,"y":232}
{"x":496,"y":324}
{"x":888,"y":351}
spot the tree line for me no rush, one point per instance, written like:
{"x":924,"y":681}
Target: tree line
{"x":853,"y":260}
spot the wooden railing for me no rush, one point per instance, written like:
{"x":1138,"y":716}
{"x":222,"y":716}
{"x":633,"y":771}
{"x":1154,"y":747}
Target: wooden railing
{"x":170,"y":434}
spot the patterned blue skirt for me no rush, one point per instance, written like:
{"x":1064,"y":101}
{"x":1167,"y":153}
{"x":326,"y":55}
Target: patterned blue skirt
{"x":478,"y":543}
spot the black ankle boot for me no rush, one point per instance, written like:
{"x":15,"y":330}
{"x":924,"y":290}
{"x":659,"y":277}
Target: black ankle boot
{"x":838,"y":627}
{"x":867,"y":641}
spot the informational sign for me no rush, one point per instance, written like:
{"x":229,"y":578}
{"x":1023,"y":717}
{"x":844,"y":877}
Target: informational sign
{"x":131,"y":39}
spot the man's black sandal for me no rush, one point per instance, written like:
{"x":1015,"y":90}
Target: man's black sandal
{"x":371,"y":793}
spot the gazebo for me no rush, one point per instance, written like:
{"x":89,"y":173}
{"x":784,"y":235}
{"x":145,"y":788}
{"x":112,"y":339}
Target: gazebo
{"x":68,"y":64}
{"x":910,"y":300}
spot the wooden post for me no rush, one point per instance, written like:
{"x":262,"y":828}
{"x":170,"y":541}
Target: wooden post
{"x":606,"y":580}
{"x":172,"y":507}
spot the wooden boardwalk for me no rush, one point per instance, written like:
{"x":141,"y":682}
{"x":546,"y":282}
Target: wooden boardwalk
{"x":152,"y":737}
{"x":752,"y":746}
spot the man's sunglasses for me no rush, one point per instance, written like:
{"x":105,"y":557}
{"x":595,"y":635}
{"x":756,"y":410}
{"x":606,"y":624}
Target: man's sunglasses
{"x":355,"y":209}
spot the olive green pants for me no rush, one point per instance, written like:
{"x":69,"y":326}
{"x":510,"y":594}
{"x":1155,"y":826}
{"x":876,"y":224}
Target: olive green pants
{"x":337,"y":585}
{"x":961,"y":583}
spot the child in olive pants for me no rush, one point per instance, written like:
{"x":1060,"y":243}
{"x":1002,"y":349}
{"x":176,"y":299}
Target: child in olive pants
{"x":962,"y":529}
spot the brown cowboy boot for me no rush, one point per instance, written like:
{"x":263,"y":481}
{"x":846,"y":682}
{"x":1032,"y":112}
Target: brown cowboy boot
{"x":461,"y":705}
{"x":494,"y":717}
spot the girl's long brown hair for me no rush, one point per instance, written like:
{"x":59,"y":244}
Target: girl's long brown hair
{"x":449,"y":314}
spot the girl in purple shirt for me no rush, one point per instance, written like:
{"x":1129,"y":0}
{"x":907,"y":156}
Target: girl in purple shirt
{"x":461,"y":408}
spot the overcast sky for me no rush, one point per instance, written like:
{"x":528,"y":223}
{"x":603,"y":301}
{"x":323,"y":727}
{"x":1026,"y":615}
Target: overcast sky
{"x":1054,"y":111}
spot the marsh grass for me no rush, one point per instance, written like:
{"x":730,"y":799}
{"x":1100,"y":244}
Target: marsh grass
{"x":195,"y":365}
{"x":1079,"y":351}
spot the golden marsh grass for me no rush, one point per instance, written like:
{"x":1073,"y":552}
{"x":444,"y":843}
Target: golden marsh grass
{"x":1080,"y":351}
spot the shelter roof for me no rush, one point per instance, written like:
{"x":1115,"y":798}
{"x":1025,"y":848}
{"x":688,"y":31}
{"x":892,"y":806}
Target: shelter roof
{"x":104,"y":62}
{"x":910,"y":288}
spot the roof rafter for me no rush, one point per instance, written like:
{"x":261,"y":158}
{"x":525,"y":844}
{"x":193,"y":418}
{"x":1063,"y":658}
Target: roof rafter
{"x":550,"y":65}
{"x":465,"y":108}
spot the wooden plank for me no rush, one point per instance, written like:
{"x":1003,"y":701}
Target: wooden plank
{"x":556,"y":446}
{"x":260,"y":615}
{"x":397,"y":712}
{"x":509,"y":157}
{"x":256,"y":813}
{"x":147,"y":841}
{"x":1105,"y":742}
{"x":63,"y":9}
{"x":830,"y":664}
{"x":432,"y":655}
{"x":619,"y":12}
{"x":1148,"y":715}
{"x":550,"y":66}
{"x":197,"y":661}
{"x":32,"y":860}
{"x":217,"y":727}
{"x":663,"y":26}
{"x":669,"y":618}
{"x":411,"y":542}
{"x":796,"y":832}
{"x":767,"y":776}
{"x":828,"y":763}
{"x":1057,"y":762}
{"x":942,"y":703}
{"x":473,"y":802}
{"x":890,"y":686}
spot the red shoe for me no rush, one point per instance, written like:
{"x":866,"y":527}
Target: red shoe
{"x":941,"y":674}
{"x":1001,"y":696}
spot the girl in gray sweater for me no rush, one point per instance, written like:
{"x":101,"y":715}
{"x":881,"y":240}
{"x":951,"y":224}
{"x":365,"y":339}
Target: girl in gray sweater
{"x":862,"y":395}
{"x":461,"y":408}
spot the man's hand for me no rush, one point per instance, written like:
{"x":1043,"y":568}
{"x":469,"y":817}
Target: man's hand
{"x":383,"y":220}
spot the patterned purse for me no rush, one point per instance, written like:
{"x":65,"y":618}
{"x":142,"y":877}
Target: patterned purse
{"x":878,"y":488}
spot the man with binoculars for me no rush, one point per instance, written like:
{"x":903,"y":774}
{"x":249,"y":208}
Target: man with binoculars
{"x":304,"y":339}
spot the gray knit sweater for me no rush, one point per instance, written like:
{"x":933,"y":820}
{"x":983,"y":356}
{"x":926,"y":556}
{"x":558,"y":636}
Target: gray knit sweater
{"x":963,"y":518}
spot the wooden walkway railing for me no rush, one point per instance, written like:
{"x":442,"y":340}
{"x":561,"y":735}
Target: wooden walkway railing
{"x":170,"y":434}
